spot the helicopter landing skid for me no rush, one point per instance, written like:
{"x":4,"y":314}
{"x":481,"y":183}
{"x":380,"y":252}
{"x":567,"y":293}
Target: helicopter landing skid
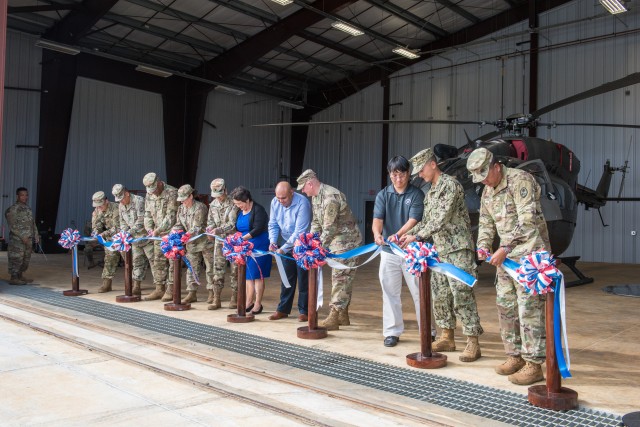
{"x":570,"y":261}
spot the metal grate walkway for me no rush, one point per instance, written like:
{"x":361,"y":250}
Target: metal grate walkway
{"x":487,"y":402}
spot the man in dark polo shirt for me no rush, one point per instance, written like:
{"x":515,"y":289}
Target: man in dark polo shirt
{"x":397,"y":210}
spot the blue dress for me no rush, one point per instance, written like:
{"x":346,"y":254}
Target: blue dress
{"x":262,"y":269}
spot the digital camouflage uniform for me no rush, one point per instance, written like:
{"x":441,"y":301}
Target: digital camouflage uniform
{"x":446,"y":220}
{"x":21,"y":226}
{"x":512,"y":210}
{"x":193,"y":220}
{"x":339,"y":232}
{"x":222,"y":215}
{"x":106,"y":224}
{"x":132,"y":221}
{"x":160,"y":214}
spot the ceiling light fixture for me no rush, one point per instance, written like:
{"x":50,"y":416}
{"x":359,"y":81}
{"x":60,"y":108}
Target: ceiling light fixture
{"x":346,"y":28}
{"x":613,"y":6}
{"x":46,"y":44}
{"x":154,"y":71}
{"x":293,"y":105}
{"x":230,"y":90}
{"x":406,"y":53}
{"x":283,"y":2}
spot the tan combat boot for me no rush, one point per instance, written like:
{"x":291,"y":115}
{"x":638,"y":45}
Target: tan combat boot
{"x":157,"y":294}
{"x":445,"y":342}
{"x":191,"y":297}
{"x":343,"y":317}
{"x":136,"y":290}
{"x":512,"y":365}
{"x":529,"y":374}
{"x":15,"y":280}
{"x":210,"y":298}
{"x":106,"y":286}
{"x":332,"y":322}
{"x":233,"y":302}
{"x":168,"y":294}
{"x":25,"y":279}
{"x":471,"y":351}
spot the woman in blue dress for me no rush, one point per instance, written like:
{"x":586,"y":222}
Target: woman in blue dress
{"x":252,"y":222}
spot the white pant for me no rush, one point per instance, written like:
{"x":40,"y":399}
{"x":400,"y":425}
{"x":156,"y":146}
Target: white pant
{"x":391,"y":272}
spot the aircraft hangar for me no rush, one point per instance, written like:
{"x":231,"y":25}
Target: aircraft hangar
{"x":98,"y":92}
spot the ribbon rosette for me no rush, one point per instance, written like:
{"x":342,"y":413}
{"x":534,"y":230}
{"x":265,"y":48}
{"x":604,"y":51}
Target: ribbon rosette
{"x":173,"y":245}
{"x":417,"y":256}
{"x":69,"y":238}
{"x":308,"y":251}
{"x":537,"y":272}
{"x":121,"y":241}
{"x":236,"y":249}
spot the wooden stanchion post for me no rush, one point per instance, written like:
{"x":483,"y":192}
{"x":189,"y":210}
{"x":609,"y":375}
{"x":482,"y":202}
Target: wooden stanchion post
{"x":128,"y":280}
{"x":75,"y":281}
{"x":312,"y":331}
{"x":426,"y":359}
{"x":552,"y":395}
{"x":177,"y":289}
{"x":241,"y":316}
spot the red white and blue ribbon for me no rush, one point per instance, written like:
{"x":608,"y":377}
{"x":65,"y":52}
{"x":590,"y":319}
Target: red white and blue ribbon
{"x":508,"y":265}
{"x":69,"y":239}
{"x":121,"y":241}
{"x":173,"y":247}
{"x":235,"y":249}
{"x":309,"y":253}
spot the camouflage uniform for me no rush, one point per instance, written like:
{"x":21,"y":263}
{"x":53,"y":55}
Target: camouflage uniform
{"x":512,"y":210}
{"x":132,"y":221}
{"x":21,"y":226}
{"x":222,"y":215}
{"x":106,"y":225}
{"x":193,"y":221}
{"x":446,"y":220}
{"x":90,"y":246}
{"x":160,"y":214}
{"x":339,"y":232}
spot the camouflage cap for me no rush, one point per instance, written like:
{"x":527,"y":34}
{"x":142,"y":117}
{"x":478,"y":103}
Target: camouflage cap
{"x":304,"y":177}
{"x":478,"y":164}
{"x":420,"y":159}
{"x":98,"y":199}
{"x":118,"y":191}
{"x":217,"y":187}
{"x":150,"y":181}
{"x":184,"y":192}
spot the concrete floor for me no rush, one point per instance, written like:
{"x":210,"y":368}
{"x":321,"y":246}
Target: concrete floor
{"x":603,"y":336}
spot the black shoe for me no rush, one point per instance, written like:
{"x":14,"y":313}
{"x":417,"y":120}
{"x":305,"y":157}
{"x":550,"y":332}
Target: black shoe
{"x":248,"y":309}
{"x":391,"y":341}
{"x":259,"y":311}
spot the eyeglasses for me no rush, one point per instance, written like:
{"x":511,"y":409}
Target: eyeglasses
{"x":397,"y":174}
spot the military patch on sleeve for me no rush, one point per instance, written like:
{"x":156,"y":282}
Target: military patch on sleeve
{"x":523,"y":192}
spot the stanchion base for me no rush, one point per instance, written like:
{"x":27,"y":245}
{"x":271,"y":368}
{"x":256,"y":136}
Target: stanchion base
{"x":127,"y":298}
{"x":236,"y":318}
{"x":419,"y":360}
{"x":72,"y":293}
{"x":176,"y":307}
{"x":564,"y":400}
{"x":306,"y":333}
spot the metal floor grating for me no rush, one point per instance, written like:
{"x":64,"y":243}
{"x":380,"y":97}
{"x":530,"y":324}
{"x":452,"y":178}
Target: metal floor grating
{"x":487,"y":402}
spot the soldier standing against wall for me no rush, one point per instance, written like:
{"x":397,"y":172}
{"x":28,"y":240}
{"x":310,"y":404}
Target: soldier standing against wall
{"x":510,"y":206}
{"x":131,"y":209}
{"x":22,"y":232}
{"x":105,"y":221}
{"x":222,"y":222}
{"x":446,"y":220}
{"x":160,"y":207}
{"x":339,"y":232}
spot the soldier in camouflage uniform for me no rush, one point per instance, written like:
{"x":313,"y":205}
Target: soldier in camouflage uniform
{"x":22,"y":232}
{"x":446,"y":221}
{"x":192,"y":219}
{"x":105,"y":222}
{"x":131,"y":210}
{"x":160,"y":207}
{"x":510,"y":207}
{"x":221,"y":222}
{"x":339,"y":232}
{"x":89,"y":247}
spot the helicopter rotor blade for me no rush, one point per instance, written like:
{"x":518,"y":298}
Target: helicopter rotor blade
{"x":613,"y":125}
{"x":373,"y":122}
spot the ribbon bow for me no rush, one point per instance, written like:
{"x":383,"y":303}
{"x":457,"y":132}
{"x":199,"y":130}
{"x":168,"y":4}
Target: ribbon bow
{"x":417,"y":256}
{"x":122,"y":241}
{"x":173,"y":245}
{"x":308,"y":251}
{"x":69,"y":238}
{"x":236,"y":249}
{"x":537,"y":272}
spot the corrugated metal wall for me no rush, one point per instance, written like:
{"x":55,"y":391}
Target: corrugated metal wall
{"x":21,"y":119}
{"x":116,"y":136}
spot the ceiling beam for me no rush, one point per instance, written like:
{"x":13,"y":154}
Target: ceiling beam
{"x":403,"y":14}
{"x":42,"y":8}
{"x":460,"y":11}
{"x":77,"y":23}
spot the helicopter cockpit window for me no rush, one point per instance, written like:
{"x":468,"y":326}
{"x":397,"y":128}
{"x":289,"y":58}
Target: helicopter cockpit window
{"x":548,"y":196}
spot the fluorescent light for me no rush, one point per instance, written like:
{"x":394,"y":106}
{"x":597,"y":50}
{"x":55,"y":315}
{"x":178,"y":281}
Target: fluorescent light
{"x":283,"y":2}
{"x":46,"y":44}
{"x":406,"y":53}
{"x":613,"y":6}
{"x":293,"y":105}
{"x":154,"y":71}
{"x":230,"y":90}
{"x":339,"y":25}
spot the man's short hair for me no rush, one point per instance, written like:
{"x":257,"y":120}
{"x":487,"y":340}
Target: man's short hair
{"x":398,"y":163}
{"x":21,"y":189}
